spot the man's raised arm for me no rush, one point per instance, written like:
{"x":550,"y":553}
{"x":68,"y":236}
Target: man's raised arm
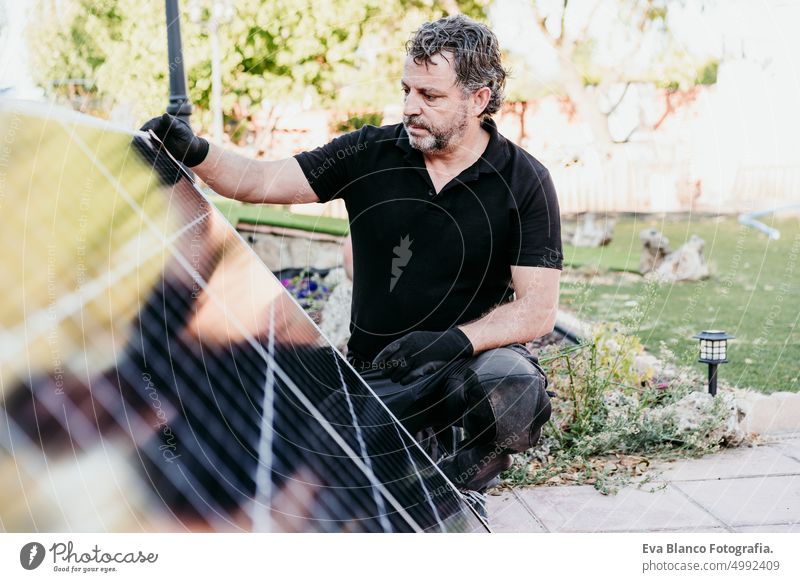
{"x":232,"y":175}
{"x":255,"y":181}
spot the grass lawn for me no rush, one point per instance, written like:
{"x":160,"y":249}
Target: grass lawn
{"x":753,"y":294}
{"x":236,"y":213}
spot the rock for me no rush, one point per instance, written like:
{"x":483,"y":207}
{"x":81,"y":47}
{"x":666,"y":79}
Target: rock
{"x":281,"y":252}
{"x":685,"y":264}
{"x":655,"y":249}
{"x":335,"y":324}
{"x":733,"y":432}
{"x":692,"y":409}
{"x":334,"y":277}
{"x":775,"y":413}
{"x":588,"y":233}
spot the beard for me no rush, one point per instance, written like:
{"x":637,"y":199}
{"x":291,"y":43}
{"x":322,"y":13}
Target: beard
{"x":438,"y":139}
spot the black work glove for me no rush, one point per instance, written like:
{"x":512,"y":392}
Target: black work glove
{"x":179,"y":139}
{"x":422,"y":352}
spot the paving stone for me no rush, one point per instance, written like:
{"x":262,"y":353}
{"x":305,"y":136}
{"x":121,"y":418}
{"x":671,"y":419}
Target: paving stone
{"x":784,"y":528}
{"x":748,"y":501}
{"x":702,"y":529}
{"x":584,"y":509}
{"x":788,"y":447}
{"x":742,"y":462}
{"x":508,"y":515}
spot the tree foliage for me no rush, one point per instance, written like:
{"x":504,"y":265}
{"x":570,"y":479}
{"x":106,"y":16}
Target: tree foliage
{"x":603,"y":43}
{"x":110,"y":55}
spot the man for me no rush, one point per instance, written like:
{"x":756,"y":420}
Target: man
{"x":447,"y":216}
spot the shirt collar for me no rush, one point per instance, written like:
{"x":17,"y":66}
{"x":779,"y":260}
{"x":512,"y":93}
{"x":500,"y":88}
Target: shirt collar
{"x":494,"y":158}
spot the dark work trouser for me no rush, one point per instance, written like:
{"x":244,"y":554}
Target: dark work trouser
{"x":499,"y":397}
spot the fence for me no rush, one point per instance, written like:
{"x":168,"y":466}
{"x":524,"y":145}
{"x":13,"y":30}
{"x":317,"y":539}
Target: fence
{"x":622,"y":185}
{"x":625,"y":185}
{"x":761,"y":187}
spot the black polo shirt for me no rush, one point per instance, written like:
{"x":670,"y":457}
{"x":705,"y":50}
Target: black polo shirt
{"x":427,"y":261}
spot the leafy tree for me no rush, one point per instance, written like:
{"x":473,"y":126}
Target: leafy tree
{"x":574,"y":33}
{"x":100,"y":54}
{"x":110,"y":55}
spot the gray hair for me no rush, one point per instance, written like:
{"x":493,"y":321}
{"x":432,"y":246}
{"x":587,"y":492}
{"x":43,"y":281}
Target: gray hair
{"x":475,"y":50}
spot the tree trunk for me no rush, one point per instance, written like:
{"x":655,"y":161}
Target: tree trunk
{"x":586,"y":105}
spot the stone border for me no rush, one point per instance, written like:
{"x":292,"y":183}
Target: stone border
{"x":768,"y":414}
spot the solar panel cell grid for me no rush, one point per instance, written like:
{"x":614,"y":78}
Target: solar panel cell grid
{"x":156,"y":376}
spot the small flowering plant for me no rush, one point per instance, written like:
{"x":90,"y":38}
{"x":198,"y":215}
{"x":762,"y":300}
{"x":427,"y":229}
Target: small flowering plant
{"x":309,"y":290}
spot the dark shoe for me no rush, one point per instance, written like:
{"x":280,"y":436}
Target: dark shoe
{"x":475,"y":468}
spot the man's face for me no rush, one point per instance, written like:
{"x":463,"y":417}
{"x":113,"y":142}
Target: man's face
{"x":435,"y":109}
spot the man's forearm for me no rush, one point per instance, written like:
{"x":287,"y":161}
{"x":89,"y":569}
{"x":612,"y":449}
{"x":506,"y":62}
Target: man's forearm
{"x":509,"y":323}
{"x":230,"y":174}
{"x":255,"y":181}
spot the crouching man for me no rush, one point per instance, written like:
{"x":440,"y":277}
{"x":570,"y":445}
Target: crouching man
{"x":456,"y":247}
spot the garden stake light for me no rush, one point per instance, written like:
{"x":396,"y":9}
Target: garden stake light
{"x":713,"y":351}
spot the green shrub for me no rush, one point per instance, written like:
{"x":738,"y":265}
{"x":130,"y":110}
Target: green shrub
{"x":610,"y":419}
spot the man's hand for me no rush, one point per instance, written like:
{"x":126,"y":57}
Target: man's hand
{"x":422,"y":352}
{"x":179,"y":139}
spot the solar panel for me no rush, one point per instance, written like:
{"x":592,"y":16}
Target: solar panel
{"x":155,"y":376}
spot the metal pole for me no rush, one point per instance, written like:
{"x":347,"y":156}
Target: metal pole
{"x":179,"y":104}
{"x":712,"y":379}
